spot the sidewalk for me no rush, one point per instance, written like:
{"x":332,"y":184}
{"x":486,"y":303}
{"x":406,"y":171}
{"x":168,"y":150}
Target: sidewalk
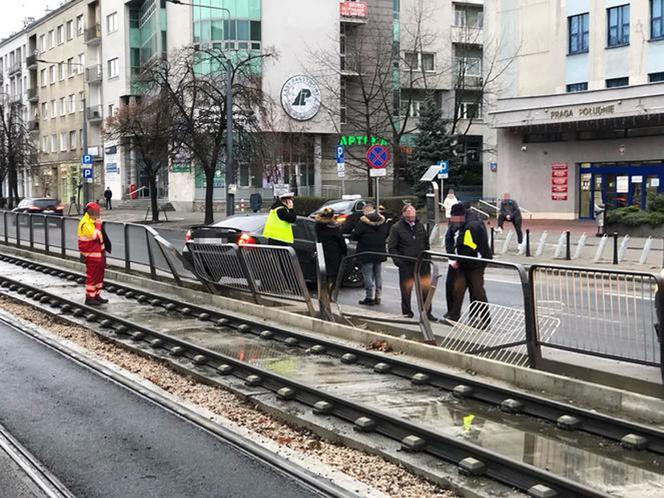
{"x":177,"y":220}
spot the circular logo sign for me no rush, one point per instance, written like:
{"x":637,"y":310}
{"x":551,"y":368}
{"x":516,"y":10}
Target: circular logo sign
{"x":300,"y":97}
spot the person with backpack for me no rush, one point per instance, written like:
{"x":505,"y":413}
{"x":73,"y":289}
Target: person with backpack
{"x":371,"y":232}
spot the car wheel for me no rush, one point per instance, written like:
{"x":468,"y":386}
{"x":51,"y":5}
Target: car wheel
{"x":354,"y":278}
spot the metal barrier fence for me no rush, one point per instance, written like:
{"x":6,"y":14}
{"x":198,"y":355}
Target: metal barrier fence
{"x":135,"y":247}
{"x":491,"y":330}
{"x":602,"y":313}
{"x":260,"y":270}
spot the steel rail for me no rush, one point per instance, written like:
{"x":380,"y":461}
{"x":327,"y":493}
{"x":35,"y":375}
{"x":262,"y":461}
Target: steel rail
{"x":247,"y":446}
{"x":509,"y":401}
{"x":472,"y":459}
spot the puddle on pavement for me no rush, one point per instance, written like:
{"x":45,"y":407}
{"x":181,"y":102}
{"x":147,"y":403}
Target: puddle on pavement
{"x":575,"y":455}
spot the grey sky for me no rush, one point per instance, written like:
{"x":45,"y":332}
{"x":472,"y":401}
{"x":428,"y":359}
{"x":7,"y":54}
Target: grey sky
{"x":14,"y":11}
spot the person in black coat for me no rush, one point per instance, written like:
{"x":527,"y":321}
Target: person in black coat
{"x":334,"y":244}
{"x":408,"y":237}
{"x":371,"y":233}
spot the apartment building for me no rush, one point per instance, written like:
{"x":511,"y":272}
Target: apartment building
{"x":14,"y":96}
{"x":57,"y":43}
{"x":580,"y":116}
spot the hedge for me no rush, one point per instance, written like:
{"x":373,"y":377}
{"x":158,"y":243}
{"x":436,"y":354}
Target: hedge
{"x":633,"y":216}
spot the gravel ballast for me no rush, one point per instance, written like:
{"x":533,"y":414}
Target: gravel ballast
{"x":369,"y":469}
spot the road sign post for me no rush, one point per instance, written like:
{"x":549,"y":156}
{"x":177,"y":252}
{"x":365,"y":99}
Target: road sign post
{"x":378,"y":156}
{"x":443,"y":174}
{"x":341,"y":168}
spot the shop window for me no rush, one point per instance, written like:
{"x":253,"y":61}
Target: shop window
{"x":577,"y":87}
{"x":656,"y":77}
{"x":618,"y":26}
{"x":578,"y":33}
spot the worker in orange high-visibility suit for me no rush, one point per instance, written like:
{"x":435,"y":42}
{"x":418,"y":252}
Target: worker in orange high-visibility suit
{"x":91,"y":247}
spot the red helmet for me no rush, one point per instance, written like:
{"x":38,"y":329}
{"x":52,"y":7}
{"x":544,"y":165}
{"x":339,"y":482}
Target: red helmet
{"x":92,"y":206}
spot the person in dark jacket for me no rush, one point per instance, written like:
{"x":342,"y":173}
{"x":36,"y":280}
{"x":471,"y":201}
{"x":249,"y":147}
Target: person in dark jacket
{"x":371,"y":233}
{"x":108,"y":194}
{"x":408,"y":237}
{"x":509,"y":210}
{"x":334,"y":244}
{"x":472,"y":241}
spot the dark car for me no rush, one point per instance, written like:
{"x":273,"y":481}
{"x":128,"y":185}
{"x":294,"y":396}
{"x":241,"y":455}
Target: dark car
{"x":248,"y":229}
{"x":39,"y":205}
{"x":343,"y":209}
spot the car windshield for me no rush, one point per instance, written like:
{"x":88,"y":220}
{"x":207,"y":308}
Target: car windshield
{"x":339,"y":206}
{"x":253,"y":223}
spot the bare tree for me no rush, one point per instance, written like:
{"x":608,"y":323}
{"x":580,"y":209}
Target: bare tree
{"x":17,"y":150}
{"x":146,"y":127}
{"x":193,"y":82}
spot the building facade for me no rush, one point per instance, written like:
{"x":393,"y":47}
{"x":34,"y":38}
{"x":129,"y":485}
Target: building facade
{"x":580,"y":116}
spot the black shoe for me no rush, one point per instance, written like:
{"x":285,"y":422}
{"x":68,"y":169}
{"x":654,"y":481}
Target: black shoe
{"x":91,"y":302}
{"x":366,"y":302}
{"x":432,"y":318}
{"x":101,"y":300}
{"x":377,"y":301}
{"x":409,"y":314}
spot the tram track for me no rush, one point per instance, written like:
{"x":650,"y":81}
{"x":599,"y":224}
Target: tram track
{"x":471,"y":458}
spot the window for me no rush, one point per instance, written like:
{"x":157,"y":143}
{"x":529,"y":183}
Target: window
{"x":655,"y":77}
{"x":63,"y":142}
{"x":72,"y":140}
{"x":54,"y":110}
{"x":71,"y":67}
{"x":412,"y":108}
{"x":618,"y":26}
{"x":44,"y":110}
{"x":471,"y":16}
{"x":343,"y":104}
{"x":81,"y":63}
{"x":419,"y":61}
{"x":469,"y":67}
{"x":469,"y":110}
{"x":616,"y":82}
{"x":111,"y":110}
{"x":577,"y":87}
{"x":42,"y":43}
{"x":71,"y":103}
{"x":79,"y":25}
{"x":112,"y":22}
{"x":61,"y":70}
{"x":61,"y":34}
{"x":81,"y":100}
{"x":656,"y":19}
{"x":54,"y":143}
{"x":44,"y":79}
{"x":44,"y":146}
{"x":113,"y":68}
{"x":51,"y":44}
{"x":63,"y":109}
{"x":51,"y":74}
{"x":578,"y":33}
{"x":70,"y":30}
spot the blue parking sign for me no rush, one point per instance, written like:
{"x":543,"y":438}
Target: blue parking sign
{"x":87,"y":173}
{"x":86,"y":159}
{"x":340,"y":154}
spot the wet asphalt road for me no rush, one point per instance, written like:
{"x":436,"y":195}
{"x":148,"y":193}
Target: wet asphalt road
{"x":101,"y":440}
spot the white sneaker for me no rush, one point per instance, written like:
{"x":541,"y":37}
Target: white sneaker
{"x":498,"y":230}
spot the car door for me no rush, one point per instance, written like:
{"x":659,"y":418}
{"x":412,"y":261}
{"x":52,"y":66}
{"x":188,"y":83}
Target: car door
{"x":304,"y":244}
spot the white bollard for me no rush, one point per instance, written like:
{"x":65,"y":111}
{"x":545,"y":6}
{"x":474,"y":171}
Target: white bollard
{"x":600,"y":247}
{"x":506,"y":242}
{"x":560,"y":246}
{"x":579,"y":245}
{"x":623,"y":248}
{"x":646,"y":250}
{"x":541,"y":244}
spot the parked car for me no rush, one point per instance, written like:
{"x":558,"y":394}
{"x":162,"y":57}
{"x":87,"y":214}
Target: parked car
{"x":39,"y":205}
{"x":343,"y":210}
{"x":246,"y":229}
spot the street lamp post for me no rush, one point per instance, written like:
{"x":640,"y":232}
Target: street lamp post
{"x":86,"y":186}
{"x":229,"y":173}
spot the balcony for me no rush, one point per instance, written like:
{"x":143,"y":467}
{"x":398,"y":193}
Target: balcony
{"x":32,"y":95}
{"x":94,"y":114}
{"x":31,"y":62}
{"x":16,"y":67}
{"x":93,"y":74}
{"x":93,"y":35}
{"x":33,"y":125}
{"x":353,"y":12}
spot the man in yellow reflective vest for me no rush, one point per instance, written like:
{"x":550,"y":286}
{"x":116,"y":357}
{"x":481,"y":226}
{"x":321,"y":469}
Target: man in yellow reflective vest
{"x":472,"y":241}
{"x":91,"y":247}
{"x":278,"y":227}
